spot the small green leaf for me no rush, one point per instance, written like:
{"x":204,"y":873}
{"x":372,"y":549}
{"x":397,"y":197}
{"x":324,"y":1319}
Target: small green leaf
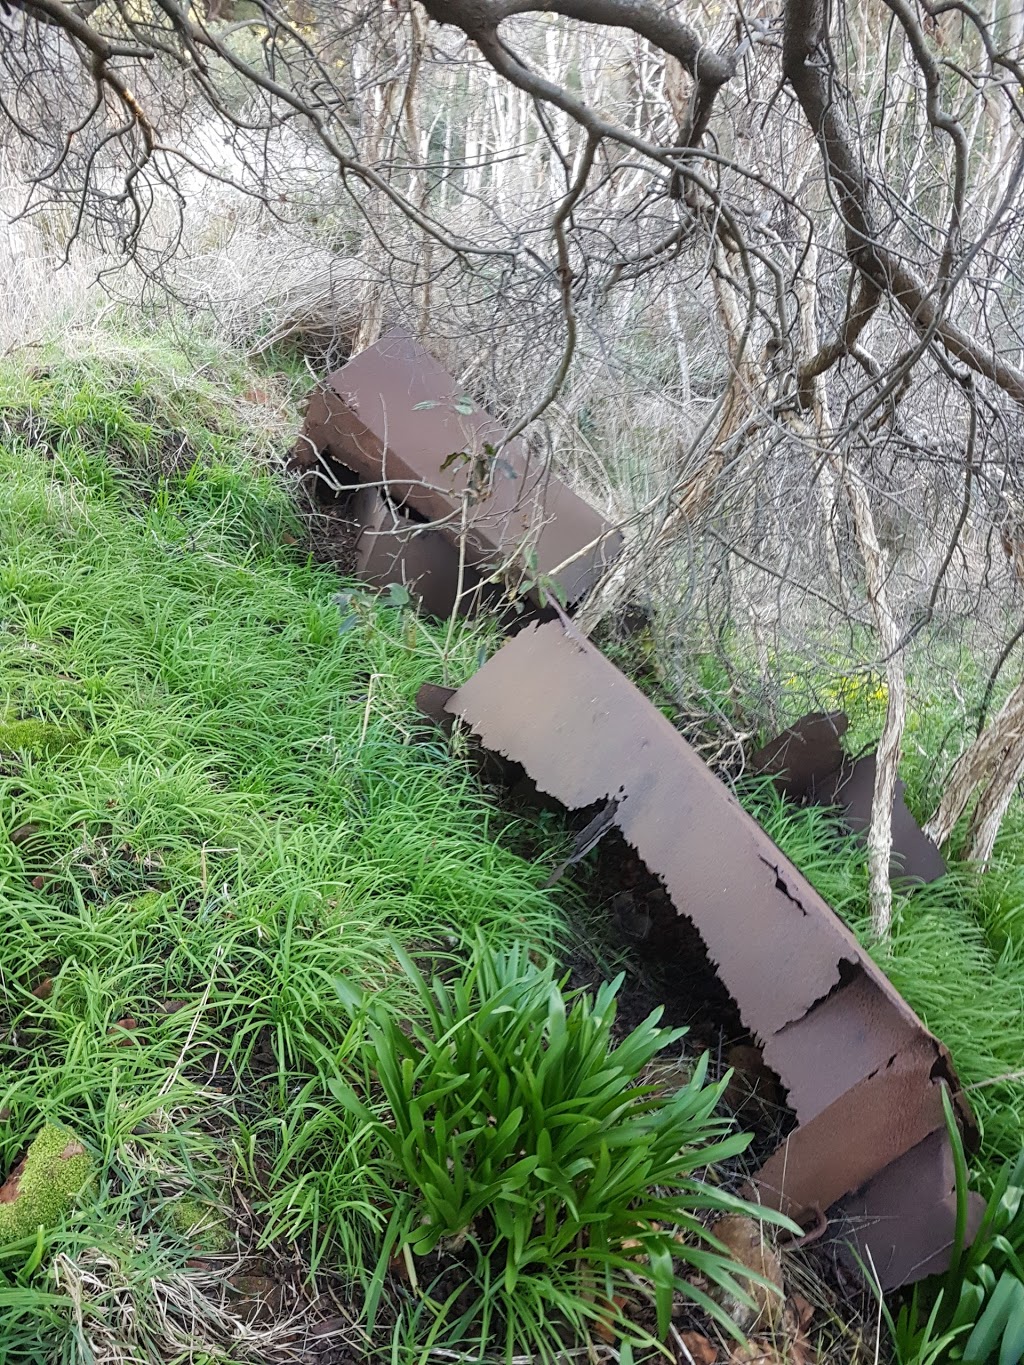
{"x":350,"y":995}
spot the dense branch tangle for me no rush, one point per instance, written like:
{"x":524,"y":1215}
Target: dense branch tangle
{"x":835,"y":189}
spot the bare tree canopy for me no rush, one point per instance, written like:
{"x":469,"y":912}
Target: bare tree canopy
{"x":807,"y":217}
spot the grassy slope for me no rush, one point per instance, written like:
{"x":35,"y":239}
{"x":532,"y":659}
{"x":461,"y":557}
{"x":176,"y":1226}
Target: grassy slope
{"x":237,"y":818}
{"x":229,"y":815}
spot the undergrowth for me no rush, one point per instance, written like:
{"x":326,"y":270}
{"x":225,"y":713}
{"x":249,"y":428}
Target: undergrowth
{"x":216,"y":803}
{"x":522,"y":1144}
{"x":216,"y":800}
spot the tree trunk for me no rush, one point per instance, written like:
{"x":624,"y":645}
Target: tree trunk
{"x":992,"y":766}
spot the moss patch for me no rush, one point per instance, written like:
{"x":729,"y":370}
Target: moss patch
{"x":36,"y":737}
{"x":43,"y":1187}
{"x":204,"y":1225}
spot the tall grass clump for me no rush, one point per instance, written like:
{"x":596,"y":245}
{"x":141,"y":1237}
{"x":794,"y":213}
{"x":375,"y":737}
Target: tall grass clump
{"x":540,"y":1185}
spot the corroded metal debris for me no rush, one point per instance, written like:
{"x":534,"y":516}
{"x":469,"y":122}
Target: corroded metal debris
{"x":864,"y":1076}
{"x":915,"y":857}
{"x":808,"y":763}
{"x":804,"y":754}
{"x":438,"y":475}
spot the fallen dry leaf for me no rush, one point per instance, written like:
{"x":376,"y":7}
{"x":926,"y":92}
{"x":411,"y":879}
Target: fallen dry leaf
{"x":801,"y":1352}
{"x":329,"y":1327}
{"x":757,"y":1353}
{"x":11,"y":1187}
{"x":698,"y":1349}
{"x":803,"y":1311}
{"x":744,"y":1238}
{"x":605,"y":1327}
{"x":121,"y":1032}
{"x":398,"y":1266}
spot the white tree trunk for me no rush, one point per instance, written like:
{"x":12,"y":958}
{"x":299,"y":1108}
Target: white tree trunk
{"x":994,"y":763}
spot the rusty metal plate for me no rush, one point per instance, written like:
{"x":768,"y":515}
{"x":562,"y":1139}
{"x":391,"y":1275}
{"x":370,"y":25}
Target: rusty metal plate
{"x":803,"y":754}
{"x":392,"y":548}
{"x":878,"y":1120}
{"x":395,"y":417}
{"x":842,"y":1040}
{"x":901,"y":1223}
{"x":914,"y":857}
{"x":808,"y":763}
{"x":863,"y":1074}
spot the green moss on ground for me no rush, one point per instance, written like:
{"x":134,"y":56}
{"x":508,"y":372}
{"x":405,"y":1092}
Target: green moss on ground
{"x":203,"y":1224}
{"x":39,"y":738}
{"x":56,"y":1170}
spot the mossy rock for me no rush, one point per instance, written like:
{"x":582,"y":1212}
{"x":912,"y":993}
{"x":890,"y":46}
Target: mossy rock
{"x":204,"y":1225}
{"x":44,"y":1186}
{"x":39,"y":738}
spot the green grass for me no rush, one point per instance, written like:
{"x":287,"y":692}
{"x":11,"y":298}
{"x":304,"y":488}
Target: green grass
{"x":213,"y":772}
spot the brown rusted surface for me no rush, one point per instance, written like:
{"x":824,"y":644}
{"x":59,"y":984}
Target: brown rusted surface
{"x":431,"y":699}
{"x":850,"y":1035}
{"x":392,"y":548}
{"x":808,"y":763}
{"x":862,"y":1074}
{"x":804,"y":754}
{"x":914,"y":857}
{"x":901,"y":1222}
{"x":396,"y":418}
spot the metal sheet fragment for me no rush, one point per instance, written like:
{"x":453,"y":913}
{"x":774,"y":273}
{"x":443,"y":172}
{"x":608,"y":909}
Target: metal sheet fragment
{"x":846,"y":1145}
{"x":901,"y":1223}
{"x":803,"y":754}
{"x":914,"y":857}
{"x":863,"y":1074}
{"x":808,"y":763}
{"x":840,"y":1041}
{"x":392,"y":548}
{"x":396,"y":418}
{"x":431,"y":700}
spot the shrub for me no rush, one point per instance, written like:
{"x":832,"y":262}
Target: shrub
{"x":523,"y":1148}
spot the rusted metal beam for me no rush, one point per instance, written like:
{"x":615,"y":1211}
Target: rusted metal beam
{"x":862,"y":1073}
{"x":395,"y":418}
